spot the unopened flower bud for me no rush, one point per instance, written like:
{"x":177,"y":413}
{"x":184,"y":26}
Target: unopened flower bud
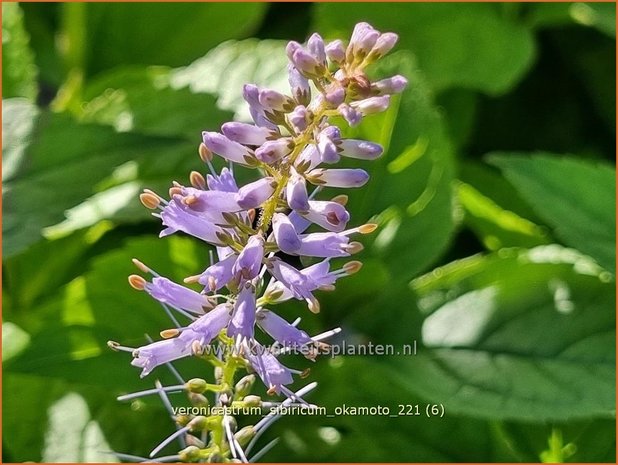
{"x":197,"y":385}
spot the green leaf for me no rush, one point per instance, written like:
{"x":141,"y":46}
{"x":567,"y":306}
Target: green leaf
{"x":601,"y":16}
{"x":18,"y":120}
{"x":14,"y":340}
{"x":75,"y":161}
{"x":575,"y":197}
{"x":225,"y":69}
{"x":492,"y":58}
{"x":495,"y":226}
{"x":162,"y":34}
{"x":19,"y":73}
{"x":142,"y":100}
{"x":526,"y":335}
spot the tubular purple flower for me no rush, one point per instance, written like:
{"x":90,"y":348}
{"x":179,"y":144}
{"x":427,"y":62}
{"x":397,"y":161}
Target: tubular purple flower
{"x":335,"y":51}
{"x":272,"y":373}
{"x":272,"y":100}
{"x":307,"y":64}
{"x":291,"y":47}
{"x":157,"y":353}
{"x":296,"y":192}
{"x":254,"y":194}
{"x":352,"y":116}
{"x":285,"y":235}
{"x":392,"y":85}
{"x":224,"y":182}
{"x":372,"y":105}
{"x":274,"y":150}
{"x":361,"y":149}
{"x":228,"y":149}
{"x":210,"y":203}
{"x":299,"y":118}
{"x":280,"y":330}
{"x":344,"y":177}
{"x":326,"y":245}
{"x":326,"y":144}
{"x":330,"y":215}
{"x":243,"y":318}
{"x":206,"y":327}
{"x":177,"y":296}
{"x":247,"y":134}
{"x":251,"y":94}
{"x":178,"y":218}
{"x":383,"y":45}
{"x":249,"y":261}
{"x":315,"y":44}
{"x":218,"y":274}
{"x":309,"y":156}
{"x":301,"y":91}
{"x":293,"y":279}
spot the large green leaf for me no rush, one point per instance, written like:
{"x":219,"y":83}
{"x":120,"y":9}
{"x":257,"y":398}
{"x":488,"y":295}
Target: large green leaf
{"x":69,"y":160}
{"x":19,"y":72}
{"x":575,"y":197}
{"x":162,"y":34}
{"x":526,"y":335}
{"x":472,"y":45}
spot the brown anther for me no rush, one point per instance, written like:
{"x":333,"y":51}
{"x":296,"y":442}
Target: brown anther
{"x":327,"y":287}
{"x":205,"y":153}
{"x":137,"y":282}
{"x":197,"y":180}
{"x":191,"y":279}
{"x":113,"y":345}
{"x":341,"y":199}
{"x":197,"y":348}
{"x":149,"y":200}
{"x":314,"y":305}
{"x":169,"y":333}
{"x":305,"y":373}
{"x":140,"y":265}
{"x":174,"y":191}
{"x":272,"y":391}
{"x":354,"y":247}
{"x":367,"y":228}
{"x":189,"y":200}
{"x":352,"y":267}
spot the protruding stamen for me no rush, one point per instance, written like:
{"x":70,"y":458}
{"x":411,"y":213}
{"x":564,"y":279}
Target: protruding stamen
{"x":169,"y":333}
{"x":341,"y":199}
{"x":174,"y":191}
{"x":327,"y":287}
{"x":352,"y":267}
{"x":149,"y":200}
{"x":353,"y":247}
{"x":137,"y":282}
{"x":205,"y":153}
{"x":326,"y":334}
{"x":367,"y":228}
{"x":143,"y":267}
{"x":191,"y":279}
{"x":305,"y":373}
{"x":314,"y":305}
{"x":197,"y":180}
{"x":118,"y":348}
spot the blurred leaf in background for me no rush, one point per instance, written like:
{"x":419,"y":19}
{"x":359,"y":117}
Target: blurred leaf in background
{"x":495,"y":197}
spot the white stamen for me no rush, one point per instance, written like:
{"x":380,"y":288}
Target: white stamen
{"x":169,"y":439}
{"x":147,"y":392}
{"x":326,"y":334}
{"x":264,"y":450}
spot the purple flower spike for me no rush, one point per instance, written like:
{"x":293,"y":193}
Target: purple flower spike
{"x":246,"y":134}
{"x":330,"y":215}
{"x":218,"y":274}
{"x":249,"y":261}
{"x":346,"y":177}
{"x":285,"y":234}
{"x":177,"y":296}
{"x":280,"y":330}
{"x":274,"y":150}
{"x":243,"y":318}
{"x":255,"y":194}
{"x":177,"y":218}
{"x":272,"y":373}
{"x":228,"y":149}
{"x":296,"y":193}
{"x":360,"y":149}
{"x":335,"y":51}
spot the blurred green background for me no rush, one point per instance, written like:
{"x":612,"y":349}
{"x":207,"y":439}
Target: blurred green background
{"x":496,"y":199}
